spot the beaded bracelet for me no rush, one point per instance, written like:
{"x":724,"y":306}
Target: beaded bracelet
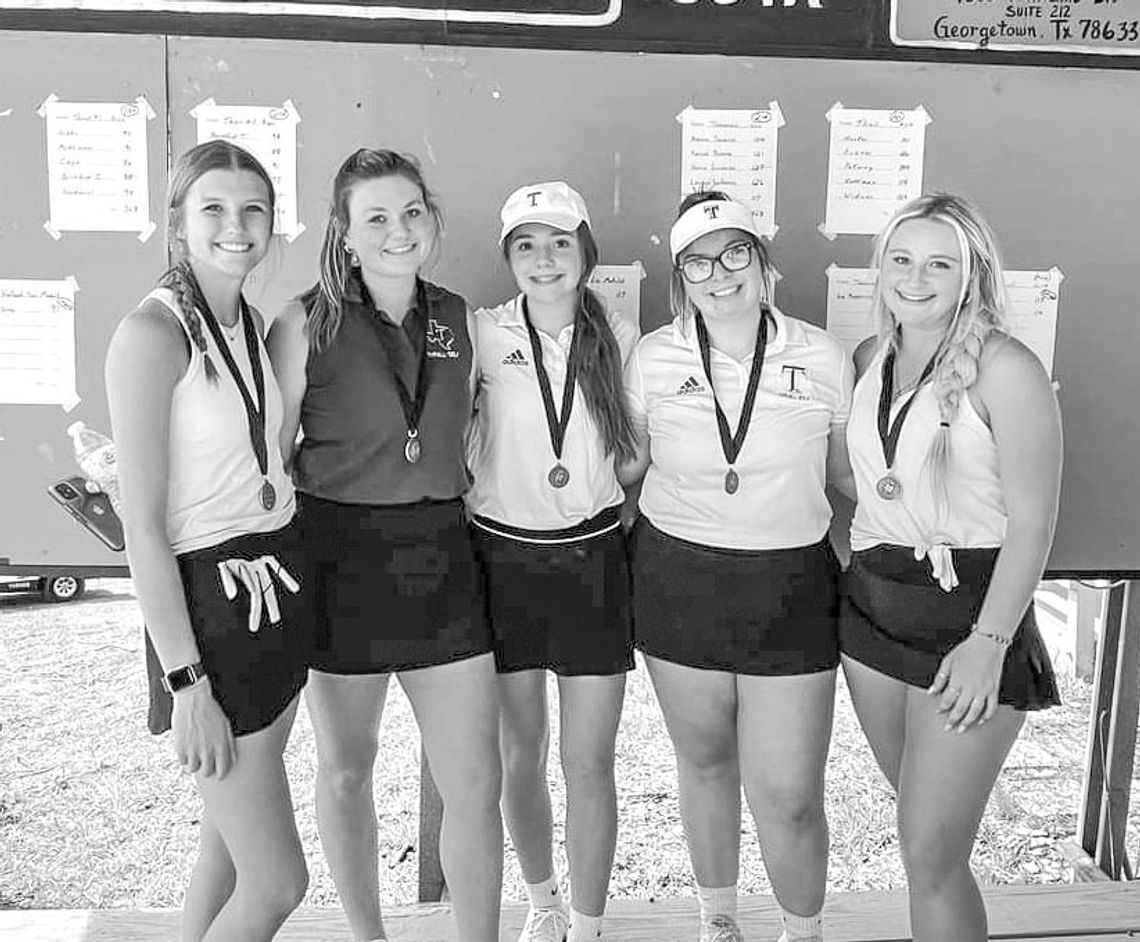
{"x":990,"y":635}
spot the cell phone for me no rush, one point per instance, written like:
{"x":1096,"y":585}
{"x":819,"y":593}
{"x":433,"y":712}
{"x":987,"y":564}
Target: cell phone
{"x":94,"y":511}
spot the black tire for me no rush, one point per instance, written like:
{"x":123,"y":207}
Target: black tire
{"x":62,"y":588}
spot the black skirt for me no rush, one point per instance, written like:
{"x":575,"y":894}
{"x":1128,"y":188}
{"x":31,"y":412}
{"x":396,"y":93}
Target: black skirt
{"x":398,"y":587}
{"x":896,"y":619}
{"x":764,"y":612}
{"x":254,"y":676}
{"x":561,"y":605}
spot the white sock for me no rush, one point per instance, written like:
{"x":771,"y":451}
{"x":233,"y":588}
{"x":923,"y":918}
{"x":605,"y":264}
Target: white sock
{"x":802,"y":928}
{"x":584,"y":928}
{"x":716,"y":901}
{"x":545,"y":895}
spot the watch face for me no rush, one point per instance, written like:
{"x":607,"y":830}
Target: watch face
{"x":182,"y":677}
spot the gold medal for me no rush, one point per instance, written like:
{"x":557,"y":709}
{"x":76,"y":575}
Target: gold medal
{"x":268,"y":496}
{"x":559,"y":476}
{"x":731,"y":482}
{"x":889,"y":487}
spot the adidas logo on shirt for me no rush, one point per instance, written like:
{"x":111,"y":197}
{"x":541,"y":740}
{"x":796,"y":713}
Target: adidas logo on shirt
{"x":516,"y":358}
{"x":690,"y":387}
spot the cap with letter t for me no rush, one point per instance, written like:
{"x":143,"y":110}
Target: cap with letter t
{"x":555,"y":204}
{"x":710,"y":216}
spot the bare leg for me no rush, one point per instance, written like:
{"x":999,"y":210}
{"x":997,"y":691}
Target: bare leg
{"x":945,"y":780}
{"x":211,"y":883}
{"x":253,"y":812}
{"x":880,"y":705}
{"x":700,"y":714}
{"x":590,"y":709}
{"x":457,"y":708}
{"x":784,"y":733}
{"x":346,"y":711}
{"x":524,"y":739}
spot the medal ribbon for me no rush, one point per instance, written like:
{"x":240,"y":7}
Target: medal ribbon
{"x":555,"y":424}
{"x":889,"y":431}
{"x":413,"y":407}
{"x":255,"y":416}
{"x":732,"y":442}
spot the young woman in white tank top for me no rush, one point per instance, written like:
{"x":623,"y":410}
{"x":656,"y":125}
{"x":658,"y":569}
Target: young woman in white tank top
{"x":214,"y":556}
{"x":955,"y":445}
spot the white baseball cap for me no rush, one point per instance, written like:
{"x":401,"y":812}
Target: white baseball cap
{"x":555,"y":204}
{"x":710,"y":216}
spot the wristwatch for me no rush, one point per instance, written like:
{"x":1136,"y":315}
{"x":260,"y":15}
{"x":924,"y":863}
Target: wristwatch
{"x":182,"y":677}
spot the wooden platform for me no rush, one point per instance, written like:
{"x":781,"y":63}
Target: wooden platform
{"x":1092,"y":912}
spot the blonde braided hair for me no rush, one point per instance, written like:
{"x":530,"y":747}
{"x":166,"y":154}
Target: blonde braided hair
{"x":179,"y":278}
{"x":981,"y":310}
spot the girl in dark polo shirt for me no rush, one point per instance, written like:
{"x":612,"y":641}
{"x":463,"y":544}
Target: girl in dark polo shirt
{"x":374,"y":365}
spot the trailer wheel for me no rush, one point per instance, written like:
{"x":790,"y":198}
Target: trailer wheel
{"x":62,"y":588}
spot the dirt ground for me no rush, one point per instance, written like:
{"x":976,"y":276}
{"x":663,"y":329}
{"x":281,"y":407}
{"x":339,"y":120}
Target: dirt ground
{"x":94,"y":812}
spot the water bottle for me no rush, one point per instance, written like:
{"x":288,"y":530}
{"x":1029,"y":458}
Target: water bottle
{"x":95,"y":454}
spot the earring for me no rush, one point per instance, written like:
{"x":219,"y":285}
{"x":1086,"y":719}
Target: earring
{"x":353,"y":258}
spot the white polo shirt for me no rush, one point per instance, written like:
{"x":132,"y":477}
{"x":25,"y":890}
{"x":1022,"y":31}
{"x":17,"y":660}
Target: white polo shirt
{"x":804,"y":394}
{"x":509,"y":450}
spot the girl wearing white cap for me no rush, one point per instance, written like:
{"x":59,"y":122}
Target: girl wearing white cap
{"x":955,"y":443}
{"x":546,"y":501}
{"x":741,"y":412}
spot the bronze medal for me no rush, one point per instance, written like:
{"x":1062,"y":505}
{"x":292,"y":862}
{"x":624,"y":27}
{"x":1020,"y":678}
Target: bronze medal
{"x":559,"y":476}
{"x":731,"y":482}
{"x":889,"y":487}
{"x":412,"y":447}
{"x":268,"y":496}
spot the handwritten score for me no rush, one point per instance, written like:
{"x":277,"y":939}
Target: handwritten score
{"x":733,"y":151}
{"x":620,"y":288}
{"x":1033,"y":301}
{"x":37,"y":342}
{"x":97,"y":166}
{"x":270,"y":134}
{"x":875,"y":163}
{"x":1032,"y":313}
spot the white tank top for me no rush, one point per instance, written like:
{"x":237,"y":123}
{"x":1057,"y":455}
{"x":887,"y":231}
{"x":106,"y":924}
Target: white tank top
{"x":976,"y":515}
{"x":215,"y":484}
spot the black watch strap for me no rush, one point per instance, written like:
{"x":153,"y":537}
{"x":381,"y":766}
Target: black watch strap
{"x":182,"y":677}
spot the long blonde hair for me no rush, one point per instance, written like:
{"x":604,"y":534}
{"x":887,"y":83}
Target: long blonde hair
{"x":981,"y":310}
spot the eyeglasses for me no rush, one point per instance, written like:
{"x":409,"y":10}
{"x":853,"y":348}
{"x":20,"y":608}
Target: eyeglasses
{"x":698,"y":268}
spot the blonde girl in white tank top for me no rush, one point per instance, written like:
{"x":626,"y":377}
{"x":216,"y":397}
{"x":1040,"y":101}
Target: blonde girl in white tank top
{"x":954,"y":524}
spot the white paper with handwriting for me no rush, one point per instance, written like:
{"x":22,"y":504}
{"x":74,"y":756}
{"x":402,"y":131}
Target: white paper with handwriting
{"x":875,"y":164}
{"x":37,"y":342}
{"x":620,"y":288}
{"x":97,"y":166}
{"x":733,"y":151}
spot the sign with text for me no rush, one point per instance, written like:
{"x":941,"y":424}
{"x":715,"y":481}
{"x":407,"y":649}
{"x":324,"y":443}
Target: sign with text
{"x":724,"y":26}
{"x":1104,"y":27}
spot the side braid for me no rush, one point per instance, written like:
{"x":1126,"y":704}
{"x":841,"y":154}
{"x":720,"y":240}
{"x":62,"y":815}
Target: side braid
{"x":956,"y":372}
{"x":180,"y":280}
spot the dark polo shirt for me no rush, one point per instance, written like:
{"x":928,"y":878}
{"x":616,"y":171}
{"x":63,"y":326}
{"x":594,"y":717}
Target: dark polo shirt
{"x":354,"y":429}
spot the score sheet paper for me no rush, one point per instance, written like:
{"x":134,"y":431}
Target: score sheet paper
{"x":1033,"y":305}
{"x":37,"y":342}
{"x":97,"y":166}
{"x":620,"y":289}
{"x":733,"y":151}
{"x":874,"y":166}
{"x":270,"y":134}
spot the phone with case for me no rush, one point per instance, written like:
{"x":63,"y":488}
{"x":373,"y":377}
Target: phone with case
{"x":94,"y":511}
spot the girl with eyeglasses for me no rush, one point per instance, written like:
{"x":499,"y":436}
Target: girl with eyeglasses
{"x":740,"y":412}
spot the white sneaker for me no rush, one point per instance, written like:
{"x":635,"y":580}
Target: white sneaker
{"x":722,"y":929}
{"x":545,"y":925}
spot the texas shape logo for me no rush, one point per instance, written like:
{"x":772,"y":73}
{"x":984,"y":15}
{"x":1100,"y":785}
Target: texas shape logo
{"x":440,"y":341}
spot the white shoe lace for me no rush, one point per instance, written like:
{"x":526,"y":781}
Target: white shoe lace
{"x":545,"y":925}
